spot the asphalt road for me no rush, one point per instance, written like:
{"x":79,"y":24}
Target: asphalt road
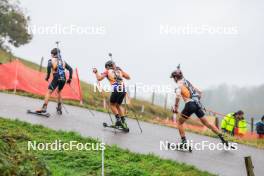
{"x":221,"y":162}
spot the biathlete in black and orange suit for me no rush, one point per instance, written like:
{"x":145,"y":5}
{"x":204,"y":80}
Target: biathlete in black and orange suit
{"x":115,"y":76}
{"x":56,"y":67}
{"x":191,"y":96}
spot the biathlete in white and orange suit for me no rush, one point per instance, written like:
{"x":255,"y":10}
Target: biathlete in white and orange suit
{"x":115,"y":76}
{"x":191,"y":96}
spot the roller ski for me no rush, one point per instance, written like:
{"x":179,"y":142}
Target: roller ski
{"x":42,"y":112}
{"x":119,"y":125}
{"x":59,"y":109}
{"x":183,"y":146}
{"x":116,"y":127}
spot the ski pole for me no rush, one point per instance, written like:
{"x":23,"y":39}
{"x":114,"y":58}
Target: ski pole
{"x":111,"y":56}
{"x":109,"y":114}
{"x":91,"y":112}
{"x":138,"y":124}
{"x":58,"y":50}
{"x":98,"y":84}
{"x":64,"y":108}
{"x":107,"y":104}
{"x":217,"y":113}
{"x":135,"y":117}
{"x":77,"y":94}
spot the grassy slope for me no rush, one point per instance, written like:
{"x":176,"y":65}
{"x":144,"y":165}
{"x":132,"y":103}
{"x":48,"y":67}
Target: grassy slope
{"x":118,"y":162}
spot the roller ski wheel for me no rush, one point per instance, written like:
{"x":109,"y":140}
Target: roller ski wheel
{"x":39,"y":113}
{"x":126,"y":130}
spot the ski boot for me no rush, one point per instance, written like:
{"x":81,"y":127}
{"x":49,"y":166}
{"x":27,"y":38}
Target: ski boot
{"x":118,"y":122}
{"x":183,"y":145}
{"x":59,"y":109}
{"x":123,"y":120}
{"x":124,"y":124}
{"x":43,"y":109}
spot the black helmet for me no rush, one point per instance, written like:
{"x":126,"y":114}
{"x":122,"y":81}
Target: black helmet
{"x":55,"y":51}
{"x":177,"y":74}
{"x":109,"y":64}
{"x":240,"y":112}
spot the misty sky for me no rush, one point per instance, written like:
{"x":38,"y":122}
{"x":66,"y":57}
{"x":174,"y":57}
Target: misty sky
{"x":133,"y":34}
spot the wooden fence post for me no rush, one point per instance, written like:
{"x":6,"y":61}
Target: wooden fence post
{"x":135,"y":92}
{"x":153,"y":98}
{"x":16,"y":77}
{"x":142,"y":109}
{"x":217,"y":122}
{"x":104,"y":103}
{"x":10,"y":56}
{"x":252,"y":125}
{"x":41,"y":63}
{"x":166,"y":101}
{"x":174,"y":118}
{"x":249,"y":166}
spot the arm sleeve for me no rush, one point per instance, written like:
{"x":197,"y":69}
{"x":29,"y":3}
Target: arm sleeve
{"x":104,"y":74}
{"x":49,"y":69}
{"x":68,"y":67}
{"x":125,"y":74}
{"x":178,"y":92}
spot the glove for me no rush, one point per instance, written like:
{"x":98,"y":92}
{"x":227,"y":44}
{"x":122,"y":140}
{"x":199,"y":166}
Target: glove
{"x":175,"y":109}
{"x":95,"y":70}
{"x":69,"y":81}
{"x":47,"y":79}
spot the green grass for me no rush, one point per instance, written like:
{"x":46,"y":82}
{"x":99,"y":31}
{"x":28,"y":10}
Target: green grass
{"x":6,"y":57}
{"x":16,"y":159}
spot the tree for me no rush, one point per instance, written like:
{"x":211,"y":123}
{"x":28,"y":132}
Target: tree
{"x":13,"y":25}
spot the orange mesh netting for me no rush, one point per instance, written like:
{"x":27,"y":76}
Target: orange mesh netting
{"x":17,"y":76}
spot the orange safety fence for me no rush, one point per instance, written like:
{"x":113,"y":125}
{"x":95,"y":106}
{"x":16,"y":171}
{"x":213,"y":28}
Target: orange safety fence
{"x":250,"y":134}
{"x":16,"y":76}
{"x":200,"y":128}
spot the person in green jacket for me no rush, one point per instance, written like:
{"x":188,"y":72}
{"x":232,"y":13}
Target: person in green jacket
{"x":234,"y":123}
